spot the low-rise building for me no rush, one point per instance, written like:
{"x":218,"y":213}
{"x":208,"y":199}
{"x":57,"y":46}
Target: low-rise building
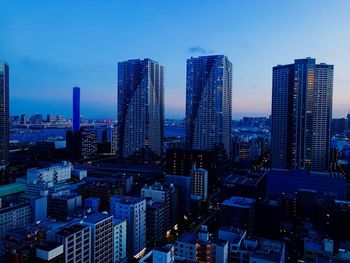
{"x":201,"y":247}
{"x":76,"y":240}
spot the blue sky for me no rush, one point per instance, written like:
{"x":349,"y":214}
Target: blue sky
{"x":52,"y":46}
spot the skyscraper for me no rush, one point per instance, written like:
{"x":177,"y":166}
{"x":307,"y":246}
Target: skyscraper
{"x":208,"y":102}
{"x":76,"y":109}
{"x":4,"y":115}
{"x":140,"y":109}
{"x":301,"y":115}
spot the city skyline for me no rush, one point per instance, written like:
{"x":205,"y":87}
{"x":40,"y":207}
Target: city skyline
{"x":174,"y":131}
{"x":86,"y":53}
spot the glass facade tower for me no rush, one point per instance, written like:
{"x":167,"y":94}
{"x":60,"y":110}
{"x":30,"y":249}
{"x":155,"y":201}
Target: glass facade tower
{"x":4,"y":115}
{"x":140,"y":110}
{"x":208,"y":103}
{"x":301,"y":115}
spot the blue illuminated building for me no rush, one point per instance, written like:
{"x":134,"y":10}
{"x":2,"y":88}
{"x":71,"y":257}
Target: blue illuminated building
{"x":76,"y":109}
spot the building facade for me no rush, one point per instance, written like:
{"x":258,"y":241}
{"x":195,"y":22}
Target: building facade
{"x":119,"y":240}
{"x":76,"y":240}
{"x":4,"y":115}
{"x":201,"y":247}
{"x":133,"y":210}
{"x":82,"y":144}
{"x":15,"y":217}
{"x":55,"y":173}
{"x":238,"y":212}
{"x":183,"y":184}
{"x":101,"y":237}
{"x":301,"y":115}
{"x":200,"y":182}
{"x":140,"y":110}
{"x":208,"y":103}
{"x":166,"y":194}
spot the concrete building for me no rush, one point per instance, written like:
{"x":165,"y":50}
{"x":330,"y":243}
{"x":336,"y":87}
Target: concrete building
{"x":15,"y":216}
{"x":183,"y":184}
{"x":49,"y":252}
{"x":63,"y":207}
{"x":324,"y":250}
{"x":133,"y":210}
{"x":101,"y":237}
{"x":160,"y":255}
{"x":119,"y":240}
{"x":166,"y":194}
{"x":201,"y":247}
{"x":76,"y":240}
{"x":156,"y":222}
{"x":200,"y":182}
{"x":238,"y":212}
{"x":55,"y":173}
{"x":244,"y":249}
{"x":21,"y":212}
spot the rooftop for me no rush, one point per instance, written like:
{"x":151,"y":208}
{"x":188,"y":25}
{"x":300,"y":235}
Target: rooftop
{"x":67,"y":231}
{"x":117,"y":221}
{"x":131,"y":200}
{"x":231,"y":234}
{"x":154,"y":205}
{"x":159,"y":187}
{"x":9,"y":189}
{"x":14,"y":207}
{"x":188,"y":237}
{"x":267,"y":249}
{"x":96,"y":218}
{"x":47,"y":245}
{"x":238,"y":201}
{"x":236,"y":179}
{"x":196,"y":197}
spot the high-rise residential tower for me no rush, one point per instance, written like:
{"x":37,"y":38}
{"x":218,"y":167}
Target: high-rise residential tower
{"x":208,"y":103}
{"x":4,"y":115}
{"x":301,"y":115}
{"x":140,"y":110}
{"x":76,"y":109}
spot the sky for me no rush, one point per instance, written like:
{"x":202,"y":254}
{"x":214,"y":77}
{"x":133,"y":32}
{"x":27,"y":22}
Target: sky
{"x":52,"y":46}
